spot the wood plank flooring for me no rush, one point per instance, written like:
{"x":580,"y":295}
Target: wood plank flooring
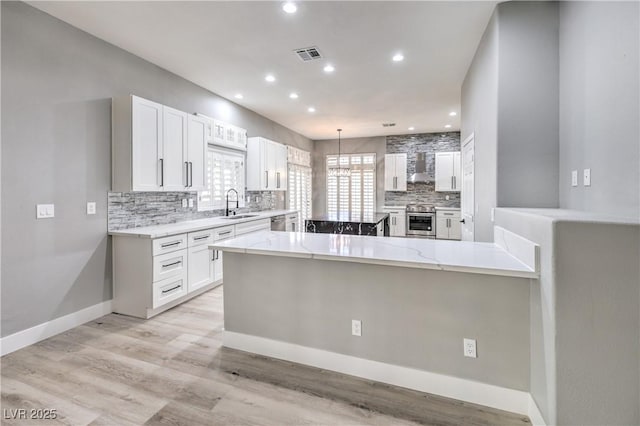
{"x":172,"y":370}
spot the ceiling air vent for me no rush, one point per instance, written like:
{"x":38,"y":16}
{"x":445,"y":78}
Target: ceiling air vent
{"x":388,"y":124}
{"x":308,"y":53}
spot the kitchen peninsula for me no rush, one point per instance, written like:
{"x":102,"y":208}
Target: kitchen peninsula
{"x":375,"y":224}
{"x":394,"y":310}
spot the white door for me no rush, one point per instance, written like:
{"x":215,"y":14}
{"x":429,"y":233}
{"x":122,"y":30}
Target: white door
{"x":467,"y":195}
{"x":173,"y":146}
{"x":146,"y":134}
{"x":196,"y":152}
{"x":444,"y":171}
{"x":200,"y":272}
{"x":442,"y":227}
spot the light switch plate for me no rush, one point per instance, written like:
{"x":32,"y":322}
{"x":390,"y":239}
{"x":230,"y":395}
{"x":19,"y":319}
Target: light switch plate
{"x":91,"y":207}
{"x":574,"y":178}
{"x":587,"y":177}
{"x":45,"y":211}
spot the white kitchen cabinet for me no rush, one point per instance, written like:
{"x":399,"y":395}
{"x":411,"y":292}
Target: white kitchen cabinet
{"x":229,"y":136}
{"x":266,"y":165}
{"x":395,"y":172}
{"x":152,"y":149}
{"x":397,"y":220}
{"x":291,"y":223}
{"x":153,"y":275}
{"x":448,"y":224}
{"x":448,"y":172}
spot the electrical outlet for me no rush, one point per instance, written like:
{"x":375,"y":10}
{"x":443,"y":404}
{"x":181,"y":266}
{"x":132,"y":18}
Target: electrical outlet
{"x":190,"y":202}
{"x":574,"y":178}
{"x":587,"y":177}
{"x":45,"y":211}
{"x":184,"y":203}
{"x":91,"y":207}
{"x":356,"y":328}
{"x":470,"y":348}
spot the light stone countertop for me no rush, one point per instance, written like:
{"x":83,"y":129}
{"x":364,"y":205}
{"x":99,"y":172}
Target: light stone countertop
{"x":157,"y":231}
{"x":456,"y":256}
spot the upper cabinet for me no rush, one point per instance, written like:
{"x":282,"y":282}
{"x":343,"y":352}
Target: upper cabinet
{"x":156,"y":148}
{"x":228,"y":135}
{"x":395,"y":172}
{"x":266,"y":165}
{"x":448,"y":172}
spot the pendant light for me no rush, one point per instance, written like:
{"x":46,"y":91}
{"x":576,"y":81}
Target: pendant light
{"x":339,"y":171}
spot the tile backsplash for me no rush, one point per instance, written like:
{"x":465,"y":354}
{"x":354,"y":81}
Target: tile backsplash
{"x":425,"y":193}
{"x":136,"y":209}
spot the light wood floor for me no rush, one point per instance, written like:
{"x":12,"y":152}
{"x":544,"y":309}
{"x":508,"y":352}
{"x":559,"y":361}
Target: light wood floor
{"x":172,"y":370}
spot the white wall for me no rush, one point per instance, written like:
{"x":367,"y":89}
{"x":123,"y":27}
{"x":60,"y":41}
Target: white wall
{"x":600,"y":106}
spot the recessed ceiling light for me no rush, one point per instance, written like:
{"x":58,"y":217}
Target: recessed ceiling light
{"x":293,"y":95}
{"x":311,"y":109}
{"x":289,"y":7}
{"x":448,"y":126}
{"x":329,"y":68}
{"x":453,"y":114}
{"x":398,"y":57}
{"x":412,"y":128}
{"x":270,"y":78}
{"x":238,"y":96}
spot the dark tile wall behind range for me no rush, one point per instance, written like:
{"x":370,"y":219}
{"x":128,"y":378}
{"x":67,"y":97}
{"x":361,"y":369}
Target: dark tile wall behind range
{"x":430,"y":143}
{"x":136,"y":209}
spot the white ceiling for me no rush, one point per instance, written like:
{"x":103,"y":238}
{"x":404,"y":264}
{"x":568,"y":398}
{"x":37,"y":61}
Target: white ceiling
{"x":229,"y":47}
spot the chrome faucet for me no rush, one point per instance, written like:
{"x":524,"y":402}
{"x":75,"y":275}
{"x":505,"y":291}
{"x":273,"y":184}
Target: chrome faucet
{"x":226,"y":213}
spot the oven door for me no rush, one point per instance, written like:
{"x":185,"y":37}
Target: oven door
{"x":421,"y":224}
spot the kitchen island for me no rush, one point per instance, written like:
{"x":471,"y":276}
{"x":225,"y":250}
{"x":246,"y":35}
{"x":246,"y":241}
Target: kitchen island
{"x":302,"y":297}
{"x":375,"y":224}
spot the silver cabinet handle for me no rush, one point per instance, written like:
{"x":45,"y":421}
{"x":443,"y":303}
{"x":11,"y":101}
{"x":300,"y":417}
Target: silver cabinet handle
{"x":266,"y":173}
{"x":170,"y":244}
{"x":186,"y":174}
{"x":224,"y":233}
{"x":452,"y":182}
{"x":190,"y":174}
{"x":201,"y":238}
{"x":171,"y":289}
{"x":177,"y":262}
{"x":455,"y":182}
{"x":162,"y":172}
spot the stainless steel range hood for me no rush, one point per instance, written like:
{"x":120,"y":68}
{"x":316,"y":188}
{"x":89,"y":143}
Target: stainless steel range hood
{"x":421,"y":169}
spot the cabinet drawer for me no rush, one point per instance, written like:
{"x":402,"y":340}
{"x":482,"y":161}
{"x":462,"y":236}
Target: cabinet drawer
{"x":169,"y":244}
{"x":169,"y":265}
{"x":169,"y":289}
{"x":224,"y":233}
{"x":200,"y":237}
{"x":253,"y":226}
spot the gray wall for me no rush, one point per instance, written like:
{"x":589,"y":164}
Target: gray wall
{"x":323,"y":148}
{"x":479,"y":115}
{"x":414,"y":318}
{"x":585,"y":316}
{"x":57,"y":82}
{"x":527,"y":156}
{"x":599,"y":106}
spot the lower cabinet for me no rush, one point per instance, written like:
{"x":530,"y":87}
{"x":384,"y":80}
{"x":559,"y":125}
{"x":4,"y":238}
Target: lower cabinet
{"x":448,"y":225}
{"x":153,"y":275}
{"x":397,"y":221}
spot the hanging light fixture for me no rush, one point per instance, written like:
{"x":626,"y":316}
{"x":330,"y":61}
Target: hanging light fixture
{"x":339,"y":171}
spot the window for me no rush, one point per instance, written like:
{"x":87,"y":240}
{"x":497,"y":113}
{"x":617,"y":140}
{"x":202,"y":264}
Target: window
{"x":299,"y":192}
{"x":355,"y":192}
{"x":225,"y":170}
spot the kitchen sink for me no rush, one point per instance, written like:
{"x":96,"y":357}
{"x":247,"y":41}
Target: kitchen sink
{"x":240,"y":216}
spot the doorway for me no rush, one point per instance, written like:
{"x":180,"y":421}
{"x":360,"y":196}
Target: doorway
{"x":467,"y":196}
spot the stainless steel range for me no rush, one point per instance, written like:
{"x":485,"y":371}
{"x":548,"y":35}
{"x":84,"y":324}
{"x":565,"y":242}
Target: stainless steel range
{"x":421,"y":220}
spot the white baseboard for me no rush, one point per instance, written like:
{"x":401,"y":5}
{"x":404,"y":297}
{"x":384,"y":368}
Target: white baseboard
{"x":534,"y":413}
{"x":420,"y":380}
{"x":35,"y":334}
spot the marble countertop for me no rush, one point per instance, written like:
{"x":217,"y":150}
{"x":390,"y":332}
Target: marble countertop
{"x":351,"y":218}
{"x":457,"y":256}
{"x":567,"y":215}
{"x":158,"y":231}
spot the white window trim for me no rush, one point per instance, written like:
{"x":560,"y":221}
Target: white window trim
{"x":372,"y":167}
{"x":241,"y":190}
